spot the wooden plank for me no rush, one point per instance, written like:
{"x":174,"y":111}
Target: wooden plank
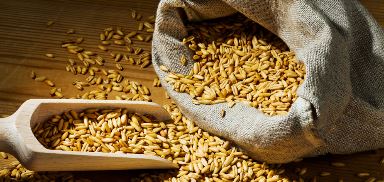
{"x":26,"y":39}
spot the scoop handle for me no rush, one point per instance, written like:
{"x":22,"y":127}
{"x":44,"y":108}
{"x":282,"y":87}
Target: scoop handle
{"x":8,"y":135}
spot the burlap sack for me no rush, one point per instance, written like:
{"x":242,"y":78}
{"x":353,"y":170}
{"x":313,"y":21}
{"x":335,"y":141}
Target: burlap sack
{"x":340,"y":108}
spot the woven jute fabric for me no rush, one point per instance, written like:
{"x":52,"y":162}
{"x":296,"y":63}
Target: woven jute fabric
{"x":340,"y":105}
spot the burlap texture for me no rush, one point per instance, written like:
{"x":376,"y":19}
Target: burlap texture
{"x":340,"y":108}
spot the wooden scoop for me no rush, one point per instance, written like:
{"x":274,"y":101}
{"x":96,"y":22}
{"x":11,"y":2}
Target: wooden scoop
{"x":16,"y":137}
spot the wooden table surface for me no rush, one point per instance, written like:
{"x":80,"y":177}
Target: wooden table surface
{"x":25,"y":39}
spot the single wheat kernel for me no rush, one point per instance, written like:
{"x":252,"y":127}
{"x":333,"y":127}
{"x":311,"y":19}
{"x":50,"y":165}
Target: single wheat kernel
{"x":371,"y":179}
{"x":49,"y":83}
{"x":119,"y":31}
{"x":131,"y":34}
{"x":3,"y":155}
{"x":79,"y":40}
{"x":105,"y":42}
{"x":222,"y":113}
{"x":49,"y":23}
{"x":150,"y":30}
{"x":141,"y":26}
{"x":133,"y":14}
{"x":32,"y":75}
{"x":148,"y":25}
{"x":324,"y":173}
{"x":59,"y":94}
{"x":40,"y":78}
{"x":148,"y":38}
{"x":50,"y":55}
{"x":102,"y":37}
{"x":119,"y":67}
{"x":145,"y":64}
{"x":139,"y":37}
{"x":183,"y":60}
{"x":103,"y":48}
{"x":138,"y":50}
{"x":163,"y":68}
{"x":363,"y":174}
{"x":71,"y":31}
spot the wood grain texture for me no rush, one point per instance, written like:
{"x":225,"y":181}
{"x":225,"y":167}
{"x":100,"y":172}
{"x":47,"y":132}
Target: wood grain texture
{"x":25,"y":39}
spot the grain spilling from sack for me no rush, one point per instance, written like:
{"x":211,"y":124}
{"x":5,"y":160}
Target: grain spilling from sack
{"x":239,"y":62}
{"x":200,"y":155}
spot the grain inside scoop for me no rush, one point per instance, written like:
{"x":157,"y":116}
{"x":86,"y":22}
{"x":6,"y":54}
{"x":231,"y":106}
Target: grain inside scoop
{"x":17,"y":138}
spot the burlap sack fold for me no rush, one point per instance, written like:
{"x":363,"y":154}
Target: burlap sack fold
{"x":340,"y":108}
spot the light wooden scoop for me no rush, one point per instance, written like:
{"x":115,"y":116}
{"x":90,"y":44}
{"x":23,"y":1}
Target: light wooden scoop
{"x":16,"y":137}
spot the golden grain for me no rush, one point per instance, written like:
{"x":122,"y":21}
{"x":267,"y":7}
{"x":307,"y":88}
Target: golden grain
{"x":150,"y":30}
{"x":324,"y":173}
{"x":102,"y":37}
{"x":119,"y":67}
{"x":79,"y":40}
{"x":50,"y":55}
{"x":59,"y":94}
{"x":363,"y":174}
{"x":141,"y":26}
{"x":119,"y":31}
{"x":135,"y":133}
{"x":105,"y":42}
{"x":133,"y":14}
{"x":4,"y":155}
{"x":145,"y":64}
{"x":222,"y":113}
{"x":164,"y":68}
{"x":148,"y":38}
{"x":139,"y":37}
{"x":138,"y":17}
{"x":40,"y":78}
{"x":338,"y":164}
{"x":118,"y":57}
{"x":138,"y":51}
{"x":156,"y":82}
{"x":234,"y":69}
{"x":49,"y":23}
{"x":119,"y":42}
{"x":49,"y":83}
{"x":183,"y":60}
{"x":103,"y":48}
{"x":70,"y":31}
{"x":180,"y":141}
{"x":148,"y":25}
{"x":32,"y":75}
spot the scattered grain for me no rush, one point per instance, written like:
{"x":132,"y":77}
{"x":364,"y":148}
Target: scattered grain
{"x":79,"y":40}
{"x":338,"y":164}
{"x":40,"y":78}
{"x":139,"y":37}
{"x":222,"y":113}
{"x":50,"y":55}
{"x":103,"y":48}
{"x":71,"y":31}
{"x":49,"y":83}
{"x":119,"y":67}
{"x":4,"y":155}
{"x":50,"y":23}
{"x":32,"y":75}
{"x":324,"y":173}
{"x":141,"y":26}
{"x":163,"y":68}
{"x":363,"y":174}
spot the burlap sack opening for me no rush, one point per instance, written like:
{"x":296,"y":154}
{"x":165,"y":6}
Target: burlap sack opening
{"x":340,"y":108}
